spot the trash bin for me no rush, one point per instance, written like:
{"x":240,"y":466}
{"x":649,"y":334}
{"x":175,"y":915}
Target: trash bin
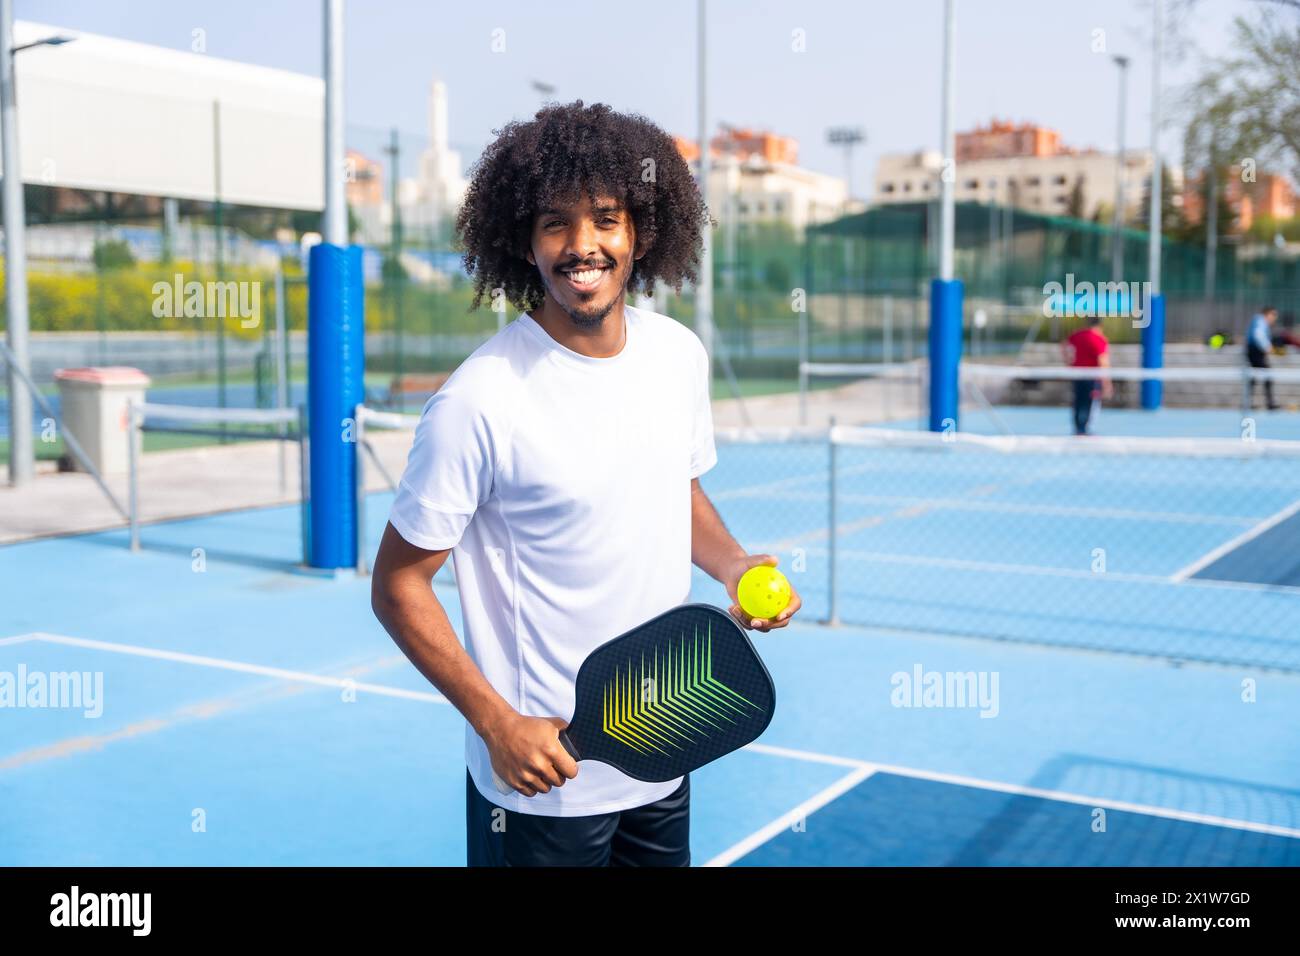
{"x":93,"y":404}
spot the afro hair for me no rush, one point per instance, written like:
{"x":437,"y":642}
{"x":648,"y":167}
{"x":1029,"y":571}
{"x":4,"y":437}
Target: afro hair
{"x":549,"y":161}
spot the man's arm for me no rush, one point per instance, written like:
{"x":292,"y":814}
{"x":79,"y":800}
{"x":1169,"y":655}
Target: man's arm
{"x":713,"y":550}
{"x":1107,"y":389}
{"x":526,"y":751}
{"x":721,"y":557}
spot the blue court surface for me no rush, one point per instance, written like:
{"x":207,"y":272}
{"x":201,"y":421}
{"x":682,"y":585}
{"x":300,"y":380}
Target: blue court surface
{"x":989,"y":699}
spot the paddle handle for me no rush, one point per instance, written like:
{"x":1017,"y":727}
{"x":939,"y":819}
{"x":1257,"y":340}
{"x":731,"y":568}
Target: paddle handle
{"x":565,"y":742}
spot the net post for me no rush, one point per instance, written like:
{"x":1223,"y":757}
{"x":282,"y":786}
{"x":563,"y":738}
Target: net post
{"x":832,"y":614}
{"x":133,"y":472}
{"x":945,"y":351}
{"x":1153,"y":351}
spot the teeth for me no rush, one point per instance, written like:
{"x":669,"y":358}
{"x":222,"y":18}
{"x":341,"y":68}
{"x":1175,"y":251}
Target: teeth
{"x":586,"y":276}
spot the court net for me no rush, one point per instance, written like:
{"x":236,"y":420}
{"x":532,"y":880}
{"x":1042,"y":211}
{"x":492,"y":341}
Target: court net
{"x":1185,"y":549}
{"x":216,"y":459}
{"x":1227,"y":400}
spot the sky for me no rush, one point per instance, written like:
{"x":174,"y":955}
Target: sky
{"x":864,"y":63}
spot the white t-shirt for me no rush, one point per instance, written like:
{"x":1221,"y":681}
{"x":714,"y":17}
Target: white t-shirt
{"x":563,"y":484}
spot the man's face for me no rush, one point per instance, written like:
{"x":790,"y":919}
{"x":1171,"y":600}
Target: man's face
{"x":1270,"y":316}
{"x":584,"y":253}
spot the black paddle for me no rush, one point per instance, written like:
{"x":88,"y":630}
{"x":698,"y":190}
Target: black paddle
{"x":669,"y":696}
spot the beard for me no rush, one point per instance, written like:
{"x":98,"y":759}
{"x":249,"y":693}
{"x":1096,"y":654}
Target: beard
{"x":590,"y":315}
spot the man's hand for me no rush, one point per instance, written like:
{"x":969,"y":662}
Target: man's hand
{"x":733,"y":577}
{"x":527,"y":754}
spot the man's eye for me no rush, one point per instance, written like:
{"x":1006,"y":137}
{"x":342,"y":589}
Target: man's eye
{"x":554,"y":222}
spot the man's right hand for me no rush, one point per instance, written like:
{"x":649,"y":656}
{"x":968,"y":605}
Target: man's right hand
{"x":527,"y":755}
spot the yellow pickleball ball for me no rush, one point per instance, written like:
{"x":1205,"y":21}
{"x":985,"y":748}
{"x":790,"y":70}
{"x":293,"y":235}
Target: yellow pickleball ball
{"x":763,"y":591}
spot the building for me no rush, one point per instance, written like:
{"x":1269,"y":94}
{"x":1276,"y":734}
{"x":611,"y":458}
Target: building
{"x":754,"y":177}
{"x":1023,"y":166}
{"x":429,"y":203}
{"x":1269,"y":196}
{"x":364,"y":191}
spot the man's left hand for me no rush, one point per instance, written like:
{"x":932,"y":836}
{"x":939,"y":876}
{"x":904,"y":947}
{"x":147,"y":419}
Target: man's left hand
{"x":757,"y":623}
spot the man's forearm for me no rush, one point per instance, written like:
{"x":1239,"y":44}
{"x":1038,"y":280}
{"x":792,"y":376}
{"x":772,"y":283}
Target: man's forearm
{"x":417,"y":623}
{"x":713,"y":549}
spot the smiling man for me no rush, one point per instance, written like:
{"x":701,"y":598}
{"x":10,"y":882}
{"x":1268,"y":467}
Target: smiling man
{"x":559,"y":465}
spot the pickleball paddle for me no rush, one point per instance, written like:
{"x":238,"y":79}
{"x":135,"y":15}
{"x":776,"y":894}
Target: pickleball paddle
{"x":669,"y":696}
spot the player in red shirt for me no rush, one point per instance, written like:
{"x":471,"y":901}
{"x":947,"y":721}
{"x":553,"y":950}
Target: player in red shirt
{"x":1088,"y":348}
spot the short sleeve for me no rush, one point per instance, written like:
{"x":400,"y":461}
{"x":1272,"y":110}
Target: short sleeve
{"x":704,"y":454}
{"x":448,"y":472}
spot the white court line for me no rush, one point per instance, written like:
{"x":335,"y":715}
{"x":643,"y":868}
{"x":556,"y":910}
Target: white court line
{"x":1056,"y":511}
{"x":301,"y":677}
{"x":1184,"y":573}
{"x":814,"y":803}
{"x":867,"y":768}
{"x":20,"y":639}
{"x":862,"y":768}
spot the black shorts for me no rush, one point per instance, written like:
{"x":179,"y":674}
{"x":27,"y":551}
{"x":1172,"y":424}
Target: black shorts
{"x":656,"y":834}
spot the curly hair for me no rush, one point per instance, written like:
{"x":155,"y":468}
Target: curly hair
{"x":549,"y":161}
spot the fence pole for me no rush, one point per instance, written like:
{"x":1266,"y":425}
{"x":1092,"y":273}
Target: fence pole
{"x":281,"y":368}
{"x":304,"y":483}
{"x":359,"y":434}
{"x":888,"y":304}
{"x":832,"y":616}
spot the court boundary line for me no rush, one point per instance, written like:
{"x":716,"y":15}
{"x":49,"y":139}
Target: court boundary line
{"x":867,"y":769}
{"x":1272,"y":521}
{"x":218,"y":663}
{"x":862,"y":769}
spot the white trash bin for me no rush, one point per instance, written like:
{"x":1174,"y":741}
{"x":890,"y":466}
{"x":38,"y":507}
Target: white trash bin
{"x":94,"y":408}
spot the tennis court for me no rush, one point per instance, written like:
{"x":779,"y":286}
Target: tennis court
{"x":988,"y":698}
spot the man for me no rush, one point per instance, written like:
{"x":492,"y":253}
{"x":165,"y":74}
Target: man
{"x":1088,"y":348}
{"x":1259,"y":343}
{"x":560,"y":466}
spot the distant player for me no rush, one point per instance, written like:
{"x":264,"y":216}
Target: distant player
{"x":1259,"y":343}
{"x":1088,"y":348}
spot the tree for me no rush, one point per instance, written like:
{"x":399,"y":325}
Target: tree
{"x":1227,"y":216}
{"x":112,"y":254}
{"x":1075,"y":205}
{"x":1171,"y":219}
{"x":1247,"y":106}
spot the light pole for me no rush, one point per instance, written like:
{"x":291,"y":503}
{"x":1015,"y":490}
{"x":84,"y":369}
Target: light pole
{"x":1153,"y":323}
{"x":704,"y":288}
{"x":846,"y":137}
{"x":21,"y":458}
{"x":945,"y":290}
{"x":1117,"y":239}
